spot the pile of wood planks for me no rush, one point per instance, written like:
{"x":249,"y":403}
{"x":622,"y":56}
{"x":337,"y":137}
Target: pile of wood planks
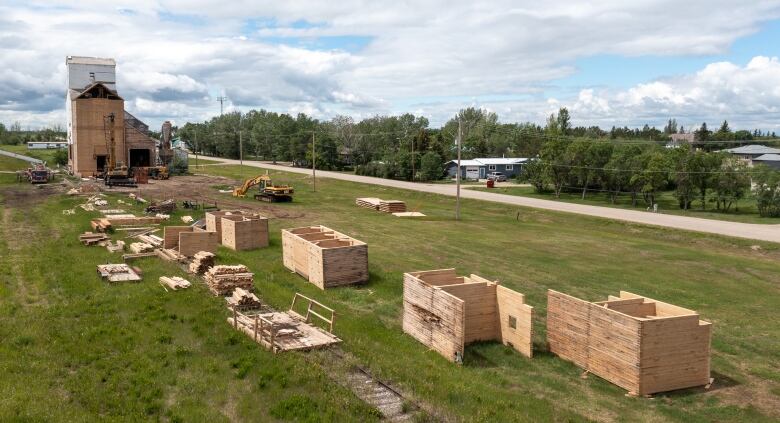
{"x":91,"y":238}
{"x":392,"y":206}
{"x":117,"y":273}
{"x":385,"y":206}
{"x":169,"y":254}
{"x":202,"y":261}
{"x":174,"y":282}
{"x":153,"y":240}
{"x":243,"y":300}
{"x":325,"y":257}
{"x":368,"y":202}
{"x":242,"y":232}
{"x":141,"y":247}
{"x":222,"y":279}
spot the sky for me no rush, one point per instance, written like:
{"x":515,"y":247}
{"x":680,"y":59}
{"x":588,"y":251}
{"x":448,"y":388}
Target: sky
{"x":624,"y":63}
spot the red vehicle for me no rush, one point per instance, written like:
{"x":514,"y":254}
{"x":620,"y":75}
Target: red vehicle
{"x":38,"y":174}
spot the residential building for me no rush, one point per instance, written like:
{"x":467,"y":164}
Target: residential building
{"x":771,"y":160}
{"x":750,"y":152}
{"x":479,"y":168}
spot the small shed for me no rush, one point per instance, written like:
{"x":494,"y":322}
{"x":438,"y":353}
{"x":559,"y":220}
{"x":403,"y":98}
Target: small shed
{"x":325,"y":257}
{"x":640,"y":344}
{"x":445,"y":312}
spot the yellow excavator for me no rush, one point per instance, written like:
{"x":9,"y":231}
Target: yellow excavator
{"x":267,"y":191}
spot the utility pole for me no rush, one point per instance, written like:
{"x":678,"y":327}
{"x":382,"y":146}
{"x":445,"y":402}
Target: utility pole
{"x":314,"y":160}
{"x":196,"y":148}
{"x":240,"y":141}
{"x":457,"y":174}
{"x":221,"y":100}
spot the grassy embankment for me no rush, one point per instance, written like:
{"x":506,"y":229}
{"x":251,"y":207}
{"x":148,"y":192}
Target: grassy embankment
{"x":134,"y":350}
{"x":667,"y":203}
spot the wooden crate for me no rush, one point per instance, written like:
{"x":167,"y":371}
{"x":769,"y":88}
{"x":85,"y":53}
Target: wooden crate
{"x":188,"y":240}
{"x":244,"y":232}
{"x":640,"y":344}
{"x":325,"y":257}
{"x":446,"y":312}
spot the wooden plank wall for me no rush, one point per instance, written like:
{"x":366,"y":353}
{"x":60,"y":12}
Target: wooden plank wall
{"x":434,"y":318}
{"x":214,"y":221}
{"x":340,"y":266}
{"x":171,"y":235}
{"x":675,"y":354}
{"x":244,"y":233}
{"x":325,"y":257}
{"x":190,"y":243}
{"x":481,"y":313}
{"x":568,"y":327}
{"x":511,"y":303}
{"x":639,"y":344}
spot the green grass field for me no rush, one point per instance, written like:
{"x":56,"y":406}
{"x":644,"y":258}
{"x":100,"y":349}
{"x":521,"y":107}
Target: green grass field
{"x":79,"y":349}
{"x":46,"y":155}
{"x":667,"y":203}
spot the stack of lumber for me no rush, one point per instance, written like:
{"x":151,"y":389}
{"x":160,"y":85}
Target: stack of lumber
{"x":368,"y":202}
{"x":113,"y":248}
{"x":392,"y":206}
{"x":141,"y":247}
{"x":222,"y":280}
{"x":243,"y":300}
{"x":91,"y":238}
{"x":100,"y":225}
{"x":202,"y":262}
{"x":117,"y":273}
{"x":153,"y":240}
{"x":170,"y":254}
{"x":174,"y":282}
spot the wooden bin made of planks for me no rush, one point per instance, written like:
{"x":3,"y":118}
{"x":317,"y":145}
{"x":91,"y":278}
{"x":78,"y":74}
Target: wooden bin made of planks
{"x":244,"y":231}
{"x":445,"y":312}
{"x":640,"y":344}
{"x":214,"y":219}
{"x":189,"y":240}
{"x":325,"y":257}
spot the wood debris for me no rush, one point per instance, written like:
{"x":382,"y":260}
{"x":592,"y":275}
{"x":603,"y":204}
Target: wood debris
{"x":117,"y":273}
{"x":115,"y":247}
{"x":201,"y":262}
{"x":187,"y":219}
{"x":141,"y":247}
{"x":166,"y":206}
{"x":127,"y":257}
{"x":243,"y":300}
{"x":222,"y":279}
{"x":169,"y":254}
{"x":91,"y":238}
{"x":174,"y":282}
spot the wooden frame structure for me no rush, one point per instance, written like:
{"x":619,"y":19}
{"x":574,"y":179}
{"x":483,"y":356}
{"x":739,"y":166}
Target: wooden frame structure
{"x":640,"y":344}
{"x":238,"y":230}
{"x":290,"y":330}
{"x":189,"y":240}
{"x":445,"y":312}
{"x":325,"y":257}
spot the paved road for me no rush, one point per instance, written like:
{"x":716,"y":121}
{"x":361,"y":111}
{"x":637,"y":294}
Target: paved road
{"x":20,"y":157}
{"x":719,"y":227}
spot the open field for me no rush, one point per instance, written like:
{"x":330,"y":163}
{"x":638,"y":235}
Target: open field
{"x":133,"y":351}
{"x":46,"y":155}
{"x":9,"y":164}
{"x":667,"y":203}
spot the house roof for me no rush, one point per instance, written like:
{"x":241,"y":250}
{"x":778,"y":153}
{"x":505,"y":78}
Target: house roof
{"x":485,"y":161}
{"x":753,"y":149}
{"x":85,"y":60}
{"x":768,"y":158}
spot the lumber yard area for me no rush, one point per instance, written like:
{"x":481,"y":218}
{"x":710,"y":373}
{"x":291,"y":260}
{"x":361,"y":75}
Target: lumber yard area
{"x":178,"y":300}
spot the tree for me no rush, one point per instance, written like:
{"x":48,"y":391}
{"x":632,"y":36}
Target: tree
{"x":553,"y":126}
{"x":534,"y":173}
{"x":703,"y":168}
{"x":682,"y":158}
{"x":703,"y":134}
{"x":654,"y":175}
{"x":564,"y":121}
{"x":557,"y":166}
{"x":671,"y":127}
{"x":766,"y":190}
{"x":732,"y":183}
{"x":619,"y":170}
{"x":61,"y":157}
{"x":431,"y":166}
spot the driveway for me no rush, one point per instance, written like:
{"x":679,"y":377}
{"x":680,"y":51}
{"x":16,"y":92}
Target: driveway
{"x":20,"y":157}
{"x":769,"y":233}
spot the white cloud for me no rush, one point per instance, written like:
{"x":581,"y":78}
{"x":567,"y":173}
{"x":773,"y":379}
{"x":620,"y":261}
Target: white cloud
{"x":175,"y":56}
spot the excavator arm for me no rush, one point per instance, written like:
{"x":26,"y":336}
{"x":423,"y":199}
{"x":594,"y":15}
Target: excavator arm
{"x":248,"y":184}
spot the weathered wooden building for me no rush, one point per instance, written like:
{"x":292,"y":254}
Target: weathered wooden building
{"x":95,"y":111}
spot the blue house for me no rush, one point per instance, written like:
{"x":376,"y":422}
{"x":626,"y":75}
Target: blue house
{"x":479,"y":168}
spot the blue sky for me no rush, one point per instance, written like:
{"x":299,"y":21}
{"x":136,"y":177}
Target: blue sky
{"x":610,"y":62}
